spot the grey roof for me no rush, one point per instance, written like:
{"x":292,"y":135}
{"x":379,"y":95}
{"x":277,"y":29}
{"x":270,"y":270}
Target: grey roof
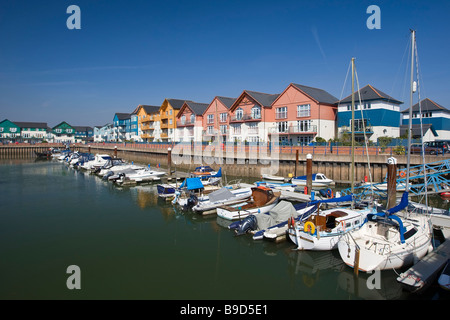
{"x":426,"y":105}
{"x":123,"y":116}
{"x":228,"y":102}
{"x":416,"y":129}
{"x":317,"y":94}
{"x":82,"y":128}
{"x":177,"y":103}
{"x":42,"y":125}
{"x":369,"y":93}
{"x":265,"y":99}
{"x":196,"y":107}
{"x":150,"y":109}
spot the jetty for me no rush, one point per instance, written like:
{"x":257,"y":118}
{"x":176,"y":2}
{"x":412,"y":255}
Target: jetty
{"x":422,"y":274}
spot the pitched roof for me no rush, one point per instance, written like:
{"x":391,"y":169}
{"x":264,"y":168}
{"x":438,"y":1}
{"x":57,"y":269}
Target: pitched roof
{"x":369,"y":93}
{"x":123,"y":116}
{"x":177,"y":103}
{"x":265,"y":99}
{"x":150,"y":109}
{"x":82,"y":128}
{"x":319,"y":95}
{"x":426,"y":105}
{"x":416,"y":129}
{"x":228,"y":102}
{"x":196,"y":107}
{"x":42,"y":125}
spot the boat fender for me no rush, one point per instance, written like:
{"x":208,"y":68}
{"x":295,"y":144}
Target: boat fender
{"x":309,"y":227}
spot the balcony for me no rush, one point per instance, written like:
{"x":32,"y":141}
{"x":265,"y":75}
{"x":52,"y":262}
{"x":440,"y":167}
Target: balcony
{"x":312,"y":129}
{"x":164,"y":125}
{"x":185,"y":123}
{"x":245,"y":117}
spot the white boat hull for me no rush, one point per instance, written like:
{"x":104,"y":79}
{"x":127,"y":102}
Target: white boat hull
{"x":378,"y":253}
{"x":240,"y":214}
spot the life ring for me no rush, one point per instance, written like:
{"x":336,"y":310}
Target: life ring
{"x":402,"y":174}
{"x":309,"y":227}
{"x":329,"y":193}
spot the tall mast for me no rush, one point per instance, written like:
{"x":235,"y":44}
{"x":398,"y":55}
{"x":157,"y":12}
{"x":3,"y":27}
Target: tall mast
{"x":413,"y":42}
{"x":353,"y":126}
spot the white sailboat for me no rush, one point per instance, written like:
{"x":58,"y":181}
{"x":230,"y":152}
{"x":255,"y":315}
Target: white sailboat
{"x":395,"y":238}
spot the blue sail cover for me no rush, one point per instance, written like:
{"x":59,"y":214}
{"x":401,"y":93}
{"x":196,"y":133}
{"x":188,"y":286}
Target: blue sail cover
{"x":402,"y":205}
{"x":192,"y":184}
{"x":305,"y":177}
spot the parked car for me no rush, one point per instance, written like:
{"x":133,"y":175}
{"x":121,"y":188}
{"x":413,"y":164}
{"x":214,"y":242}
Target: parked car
{"x":432,"y":147}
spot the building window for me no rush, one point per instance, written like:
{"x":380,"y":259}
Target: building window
{"x":210,"y":118}
{"x":281,"y":113}
{"x":304,"y":110}
{"x":256,"y":112}
{"x":210,"y":129}
{"x":253,"y":128}
{"x":239,"y":114}
{"x":58,"y":130}
{"x":192,"y":118}
{"x":237,"y":129}
{"x":303,"y":126}
{"x":223,"y":129}
{"x":183,"y":119}
{"x":223,"y":117}
{"x":282,"y":126}
{"x":360,"y":124}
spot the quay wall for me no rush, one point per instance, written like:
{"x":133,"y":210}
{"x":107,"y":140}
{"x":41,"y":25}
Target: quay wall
{"x":242,"y":162}
{"x":245,"y":163}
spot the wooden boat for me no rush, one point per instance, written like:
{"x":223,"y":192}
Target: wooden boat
{"x":262,"y":200}
{"x":204,"y":171}
{"x":44,"y":155}
{"x":318,"y":180}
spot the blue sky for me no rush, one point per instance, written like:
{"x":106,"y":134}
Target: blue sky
{"x":140,"y":52}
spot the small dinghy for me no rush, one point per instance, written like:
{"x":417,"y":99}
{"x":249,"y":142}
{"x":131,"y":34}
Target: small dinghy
{"x":224,"y":196}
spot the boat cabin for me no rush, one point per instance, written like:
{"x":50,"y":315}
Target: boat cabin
{"x":337,"y":219}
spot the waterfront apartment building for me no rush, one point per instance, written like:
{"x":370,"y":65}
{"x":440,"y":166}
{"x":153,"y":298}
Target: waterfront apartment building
{"x":435,"y":120}
{"x":61,"y":133}
{"x":148,"y":122}
{"x":216,"y":119}
{"x":167,"y":112}
{"x":300,"y":114}
{"x":249,"y":115}
{"x":103,"y":133}
{"x":376,"y":114}
{"x":84,"y":134}
{"x":189,"y":122}
{"x":23,"y":131}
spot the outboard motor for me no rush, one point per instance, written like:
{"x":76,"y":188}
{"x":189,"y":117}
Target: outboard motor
{"x":248,"y":224}
{"x":191,"y":202}
{"x":107,"y":175}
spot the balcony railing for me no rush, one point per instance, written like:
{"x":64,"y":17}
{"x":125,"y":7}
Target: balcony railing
{"x":245,"y":117}
{"x":311,"y":129}
{"x":185,"y":123}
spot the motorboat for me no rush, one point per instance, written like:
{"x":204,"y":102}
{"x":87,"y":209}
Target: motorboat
{"x":138,"y":175}
{"x":318,"y":180}
{"x":322,"y":230}
{"x":224,"y":196}
{"x":115,"y":166}
{"x":98,"y":161}
{"x":263,"y":199}
{"x":274,"y":223}
{"x":272,"y":177}
{"x":190,"y":190}
{"x":277,"y":185}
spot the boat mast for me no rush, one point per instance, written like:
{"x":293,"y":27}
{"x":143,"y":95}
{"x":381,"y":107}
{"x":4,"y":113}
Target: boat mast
{"x":413,"y":42}
{"x":353,"y":127}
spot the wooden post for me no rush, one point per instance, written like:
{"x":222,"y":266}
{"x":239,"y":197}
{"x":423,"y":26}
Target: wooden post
{"x":309,"y":172}
{"x":169,"y":161}
{"x":115,"y":151}
{"x":89,"y":149}
{"x":296,"y":162}
{"x":391,"y":182}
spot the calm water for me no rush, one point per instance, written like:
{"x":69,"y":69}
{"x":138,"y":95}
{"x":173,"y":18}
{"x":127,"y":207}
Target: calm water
{"x":131,"y":245}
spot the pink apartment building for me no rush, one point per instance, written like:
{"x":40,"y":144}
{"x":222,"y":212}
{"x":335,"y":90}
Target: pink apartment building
{"x":216,"y":118}
{"x":300,"y":114}
{"x":190,"y":122}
